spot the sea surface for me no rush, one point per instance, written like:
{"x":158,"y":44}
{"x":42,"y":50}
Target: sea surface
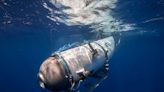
{"x":28,"y":36}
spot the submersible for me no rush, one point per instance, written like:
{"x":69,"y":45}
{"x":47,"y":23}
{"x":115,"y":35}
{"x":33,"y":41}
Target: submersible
{"x":64,"y":70}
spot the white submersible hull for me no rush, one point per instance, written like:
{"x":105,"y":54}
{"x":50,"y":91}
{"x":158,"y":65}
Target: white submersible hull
{"x":64,"y":70}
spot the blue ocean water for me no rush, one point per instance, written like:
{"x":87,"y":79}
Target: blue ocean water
{"x":27,"y":38}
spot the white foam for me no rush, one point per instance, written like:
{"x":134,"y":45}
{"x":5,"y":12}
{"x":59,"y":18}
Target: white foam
{"x":96,"y":13}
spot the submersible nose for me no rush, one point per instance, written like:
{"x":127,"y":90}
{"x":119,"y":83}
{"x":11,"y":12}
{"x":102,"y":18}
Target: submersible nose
{"x":52,"y":75}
